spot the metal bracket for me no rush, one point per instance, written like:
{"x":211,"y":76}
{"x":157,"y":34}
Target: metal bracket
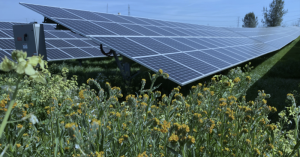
{"x":124,"y":67}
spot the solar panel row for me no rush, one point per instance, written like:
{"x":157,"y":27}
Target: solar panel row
{"x":186,"y":51}
{"x":60,"y":44}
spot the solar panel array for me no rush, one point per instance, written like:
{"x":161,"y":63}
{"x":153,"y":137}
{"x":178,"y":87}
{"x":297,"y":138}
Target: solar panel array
{"x":187,"y":52}
{"x":60,"y":44}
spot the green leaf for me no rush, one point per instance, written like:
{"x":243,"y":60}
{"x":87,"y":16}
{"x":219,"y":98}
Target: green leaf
{"x":174,"y":152}
{"x":56,"y":146}
{"x":296,"y":148}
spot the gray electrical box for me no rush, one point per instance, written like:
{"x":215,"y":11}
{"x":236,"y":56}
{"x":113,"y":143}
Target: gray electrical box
{"x":30,"y":38}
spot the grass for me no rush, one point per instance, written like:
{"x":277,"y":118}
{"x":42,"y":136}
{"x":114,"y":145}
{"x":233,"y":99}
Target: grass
{"x":277,"y":75}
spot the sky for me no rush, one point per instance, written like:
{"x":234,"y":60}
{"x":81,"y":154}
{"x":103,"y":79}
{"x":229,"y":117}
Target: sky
{"x":220,"y":13}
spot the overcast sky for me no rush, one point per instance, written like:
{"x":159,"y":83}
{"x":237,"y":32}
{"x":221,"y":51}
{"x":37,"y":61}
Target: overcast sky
{"x":205,"y":12}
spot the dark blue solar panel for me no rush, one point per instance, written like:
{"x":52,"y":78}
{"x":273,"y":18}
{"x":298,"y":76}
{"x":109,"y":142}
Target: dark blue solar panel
{"x":193,"y":62}
{"x":88,"y":15}
{"x":199,"y":32}
{"x":9,"y":32}
{"x":74,"y":35}
{"x":57,"y":54}
{"x":181,"y":74}
{"x":190,"y":43}
{"x":160,"y":31}
{"x":152,"y":22}
{"x":7,"y":44}
{"x":114,"y":18}
{"x":240,"y":57}
{"x":3,"y":35}
{"x":85,"y":27}
{"x":209,"y":59}
{"x":123,"y":44}
{"x":226,"y":41}
{"x":135,"y":20}
{"x":169,"y":24}
{"x":94,"y":51}
{"x":187,"y":31}
{"x":117,"y":28}
{"x":3,"y":54}
{"x":204,"y":42}
{"x":5,"y":25}
{"x":51,"y":11}
{"x":49,"y":35}
{"x":59,"y":43}
{"x":175,"y":44}
{"x":219,"y":43}
{"x":75,"y":52}
{"x":48,"y":45}
{"x":142,"y":30}
{"x":91,"y":43}
{"x":180,"y":25}
{"x":221,"y":56}
{"x":154,"y":45}
{"x":239,"y":50}
{"x":78,"y":43}
{"x":61,"y":34}
{"x":174,"y":31}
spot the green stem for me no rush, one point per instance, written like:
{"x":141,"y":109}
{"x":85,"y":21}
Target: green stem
{"x":4,"y":122}
{"x":182,"y":151}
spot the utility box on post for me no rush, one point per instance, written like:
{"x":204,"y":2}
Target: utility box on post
{"x":30,"y":38}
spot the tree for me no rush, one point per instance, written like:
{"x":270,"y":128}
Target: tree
{"x":273,"y":16}
{"x":250,"y":20}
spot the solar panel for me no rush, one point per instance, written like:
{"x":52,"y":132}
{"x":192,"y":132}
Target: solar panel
{"x":186,"y":51}
{"x":59,"y":43}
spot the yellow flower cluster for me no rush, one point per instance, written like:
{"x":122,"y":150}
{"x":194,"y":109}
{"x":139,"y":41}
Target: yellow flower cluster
{"x":97,"y":122}
{"x":89,"y":80}
{"x":160,"y":71}
{"x":144,"y":154}
{"x":237,"y":80}
{"x":230,"y":113}
{"x":70,"y":125}
{"x":81,"y":94}
{"x":173,"y":138}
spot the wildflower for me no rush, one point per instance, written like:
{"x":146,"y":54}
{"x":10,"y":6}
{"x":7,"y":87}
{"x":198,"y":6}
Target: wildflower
{"x":165,"y":75}
{"x":18,"y":145}
{"x":257,"y":151}
{"x":81,"y":94}
{"x":118,"y":114}
{"x":248,"y":141}
{"x":201,"y":149}
{"x":236,"y":80}
{"x":19,"y":126}
{"x":273,"y":110}
{"x":262,"y":121}
{"x":264,"y":101}
{"x":173,"y":138}
{"x":271,"y":127}
{"x":100,"y":154}
{"x":160,"y":71}
{"x":248,"y":78}
{"x":89,"y":80}
{"x":176,"y":89}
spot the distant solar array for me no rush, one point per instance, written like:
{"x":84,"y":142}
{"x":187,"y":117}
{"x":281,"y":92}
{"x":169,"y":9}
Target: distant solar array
{"x":187,"y":52}
{"x":60,"y":44}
